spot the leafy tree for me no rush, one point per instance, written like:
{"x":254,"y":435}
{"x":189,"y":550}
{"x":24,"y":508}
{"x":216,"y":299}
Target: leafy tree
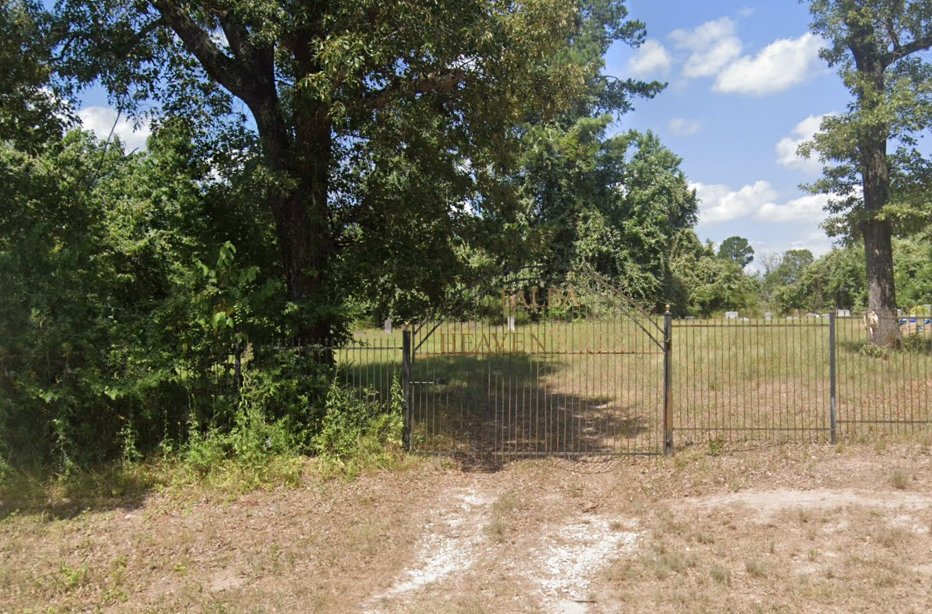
{"x":31,"y":113}
{"x":610,"y":206}
{"x":789,"y":268}
{"x":781,"y":277}
{"x":364,"y":111}
{"x":913,"y":267}
{"x":737,"y":250}
{"x":878,"y":47}
{"x":703,"y":284}
{"x":835,"y":281}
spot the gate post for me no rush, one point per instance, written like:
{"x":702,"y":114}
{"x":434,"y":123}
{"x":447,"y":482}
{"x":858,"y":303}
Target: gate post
{"x":832,"y":381}
{"x":667,"y":382}
{"x":406,"y":386}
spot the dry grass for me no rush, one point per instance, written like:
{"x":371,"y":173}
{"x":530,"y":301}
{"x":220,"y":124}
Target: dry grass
{"x":795,"y":528}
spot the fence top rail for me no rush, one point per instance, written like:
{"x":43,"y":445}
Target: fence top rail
{"x":747,"y":324}
{"x":354,"y":345}
{"x":540,"y":353}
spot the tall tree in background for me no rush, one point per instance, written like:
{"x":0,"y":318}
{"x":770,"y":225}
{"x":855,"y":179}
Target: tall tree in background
{"x":878,"y":48}
{"x":738,"y":250}
{"x":344,"y":92}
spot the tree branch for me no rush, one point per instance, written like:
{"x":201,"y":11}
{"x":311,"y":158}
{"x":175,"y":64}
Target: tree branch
{"x":899,"y":52}
{"x":236,"y":33}
{"x":217,"y":64}
{"x":443,"y":82}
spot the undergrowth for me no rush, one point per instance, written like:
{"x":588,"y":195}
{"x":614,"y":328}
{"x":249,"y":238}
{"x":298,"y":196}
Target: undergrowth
{"x":359,"y":431}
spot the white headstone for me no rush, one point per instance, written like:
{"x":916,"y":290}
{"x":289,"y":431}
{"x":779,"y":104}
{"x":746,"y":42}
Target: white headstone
{"x":511,"y":324}
{"x":388,"y":326}
{"x":731,"y":315}
{"x":768,"y":316}
{"x":844,"y":313}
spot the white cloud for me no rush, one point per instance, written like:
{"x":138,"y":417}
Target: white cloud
{"x":780,"y":65}
{"x":816,"y":241}
{"x":802,"y":210}
{"x":100,"y":120}
{"x":681,"y":126}
{"x":712,"y":46}
{"x":651,"y":58}
{"x":787,"y":146}
{"x":719,"y":203}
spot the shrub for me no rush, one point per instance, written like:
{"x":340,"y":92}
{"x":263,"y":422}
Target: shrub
{"x":359,"y":430}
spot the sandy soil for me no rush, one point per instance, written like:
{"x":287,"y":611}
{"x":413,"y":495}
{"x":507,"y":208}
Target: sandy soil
{"x":798,"y":528}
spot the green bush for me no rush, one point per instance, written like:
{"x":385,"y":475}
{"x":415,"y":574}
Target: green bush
{"x":359,"y":430}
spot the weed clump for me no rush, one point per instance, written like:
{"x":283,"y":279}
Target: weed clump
{"x":900,"y":479}
{"x":359,"y":431}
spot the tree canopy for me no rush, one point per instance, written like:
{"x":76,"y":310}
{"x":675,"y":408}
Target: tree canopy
{"x":365,"y":111}
{"x":737,"y":250}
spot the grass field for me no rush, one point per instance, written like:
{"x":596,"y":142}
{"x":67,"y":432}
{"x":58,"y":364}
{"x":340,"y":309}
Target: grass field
{"x":597,"y":387}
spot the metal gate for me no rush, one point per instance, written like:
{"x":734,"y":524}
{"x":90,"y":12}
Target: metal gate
{"x":571,"y":387}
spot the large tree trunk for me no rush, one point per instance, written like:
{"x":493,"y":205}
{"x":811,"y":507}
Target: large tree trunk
{"x":881,"y":294}
{"x":877,"y":233}
{"x":299,"y":159}
{"x":302,"y":220}
{"x":300,"y":208}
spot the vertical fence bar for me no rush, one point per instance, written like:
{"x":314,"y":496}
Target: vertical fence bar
{"x":832,"y":381}
{"x":406,"y":386}
{"x":667,"y":382}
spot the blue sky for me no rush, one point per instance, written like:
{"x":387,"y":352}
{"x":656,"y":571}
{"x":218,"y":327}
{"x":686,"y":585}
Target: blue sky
{"x":745,"y":86}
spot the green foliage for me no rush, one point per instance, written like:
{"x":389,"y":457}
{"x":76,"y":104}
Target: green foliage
{"x":703,"y":284}
{"x":796,"y":281}
{"x":388,"y":133}
{"x":114,"y":333}
{"x":737,"y":250}
{"x":918,"y":344}
{"x":6,"y":471}
{"x":782,"y":282}
{"x":913,"y":269}
{"x":608,"y":205}
{"x":878,"y":48}
{"x":31,"y":112}
{"x":250,"y":443}
{"x":359,"y":430}
{"x":875,"y":173}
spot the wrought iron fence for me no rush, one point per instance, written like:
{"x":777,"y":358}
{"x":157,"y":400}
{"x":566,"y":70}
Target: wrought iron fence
{"x":815,"y":378}
{"x":587,"y":387}
{"x":637,"y":385}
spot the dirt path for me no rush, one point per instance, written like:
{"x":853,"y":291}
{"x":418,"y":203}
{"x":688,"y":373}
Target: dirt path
{"x":555,"y":564}
{"x":794,"y":528}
